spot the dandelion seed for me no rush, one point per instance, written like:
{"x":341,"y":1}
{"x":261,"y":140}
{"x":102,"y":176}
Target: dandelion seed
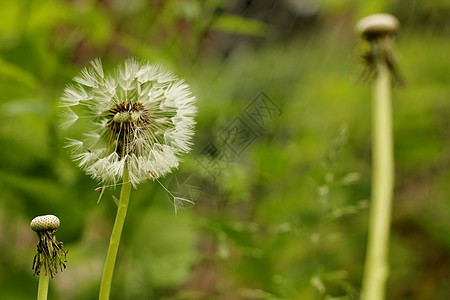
{"x":69,"y":118}
{"x":139,"y":114}
{"x":180,"y":203}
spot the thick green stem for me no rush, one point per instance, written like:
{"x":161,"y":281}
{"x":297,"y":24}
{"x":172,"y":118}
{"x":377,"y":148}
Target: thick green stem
{"x":376,"y":263}
{"x":114,"y":242}
{"x":43,"y":283}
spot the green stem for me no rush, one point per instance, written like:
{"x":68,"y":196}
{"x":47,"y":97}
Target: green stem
{"x":43,"y":284}
{"x":114,"y":242}
{"x":376,"y":264}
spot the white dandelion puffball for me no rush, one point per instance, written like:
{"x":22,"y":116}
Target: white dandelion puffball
{"x":139,"y":116}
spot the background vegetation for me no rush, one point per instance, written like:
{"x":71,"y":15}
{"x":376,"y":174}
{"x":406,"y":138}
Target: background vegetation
{"x":281,"y":208}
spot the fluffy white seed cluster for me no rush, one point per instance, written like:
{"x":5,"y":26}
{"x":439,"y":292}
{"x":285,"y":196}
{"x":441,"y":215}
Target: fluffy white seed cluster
{"x":42,"y":223}
{"x":139,"y":115}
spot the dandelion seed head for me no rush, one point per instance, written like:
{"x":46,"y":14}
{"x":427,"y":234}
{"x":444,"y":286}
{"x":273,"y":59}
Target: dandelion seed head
{"x":139,"y":115}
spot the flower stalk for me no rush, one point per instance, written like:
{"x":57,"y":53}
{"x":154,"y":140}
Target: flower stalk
{"x":378,"y":30}
{"x":105,"y":287}
{"x":43,"y":285}
{"x":376,"y":265}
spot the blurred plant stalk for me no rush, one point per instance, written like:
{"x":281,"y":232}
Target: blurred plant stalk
{"x":379,"y":31}
{"x":376,"y":264}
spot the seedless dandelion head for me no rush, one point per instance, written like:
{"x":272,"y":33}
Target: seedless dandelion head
{"x":50,"y":255}
{"x":139,"y":115}
{"x":47,"y":222}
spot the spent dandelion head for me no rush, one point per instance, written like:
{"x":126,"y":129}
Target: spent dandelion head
{"x":379,"y":30}
{"x":50,"y":253}
{"x":139,"y":117}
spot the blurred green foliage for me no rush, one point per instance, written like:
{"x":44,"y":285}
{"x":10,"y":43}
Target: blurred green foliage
{"x":285,"y":218}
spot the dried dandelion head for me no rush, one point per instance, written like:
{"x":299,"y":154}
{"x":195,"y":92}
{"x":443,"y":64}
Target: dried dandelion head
{"x":379,"y":30}
{"x":139,"y":115}
{"x":50,"y":253}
